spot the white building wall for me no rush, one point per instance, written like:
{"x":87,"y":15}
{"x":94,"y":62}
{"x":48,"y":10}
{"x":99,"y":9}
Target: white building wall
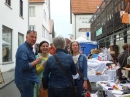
{"x":38,"y":20}
{"x":80,"y":21}
{"x":10,"y":17}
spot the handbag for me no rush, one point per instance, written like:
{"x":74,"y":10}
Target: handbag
{"x":44,"y":84}
{"x":75,"y":92}
{"x":43,"y":92}
{"x":88,"y":83}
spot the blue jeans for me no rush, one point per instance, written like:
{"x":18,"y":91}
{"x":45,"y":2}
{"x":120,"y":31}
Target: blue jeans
{"x":26,"y":89}
{"x":79,"y":84}
{"x":60,"y":92}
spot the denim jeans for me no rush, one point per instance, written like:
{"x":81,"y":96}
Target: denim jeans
{"x":60,"y":92}
{"x":26,"y":89}
{"x":79,"y":84}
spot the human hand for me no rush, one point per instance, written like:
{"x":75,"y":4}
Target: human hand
{"x":39,"y":59}
{"x":85,"y":85}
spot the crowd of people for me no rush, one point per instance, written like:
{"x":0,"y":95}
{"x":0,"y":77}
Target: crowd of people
{"x":31,"y":69}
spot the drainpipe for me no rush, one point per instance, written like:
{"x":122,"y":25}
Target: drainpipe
{"x":75,"y":27}
{"x":28,"y":14}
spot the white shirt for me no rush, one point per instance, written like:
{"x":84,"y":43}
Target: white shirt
{"x":75,"y":58}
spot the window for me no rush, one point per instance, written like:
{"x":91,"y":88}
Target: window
{"x":8,"y":2}
{"x":21,"y":8}
{"x":20,"y":38}
{"x":6,"y":44}
{"x":32,"y":27}
{"x":31,"y":11}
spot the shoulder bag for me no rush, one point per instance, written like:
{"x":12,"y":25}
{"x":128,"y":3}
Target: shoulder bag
{"x":75,"y":92}
{"x":88,"y":83}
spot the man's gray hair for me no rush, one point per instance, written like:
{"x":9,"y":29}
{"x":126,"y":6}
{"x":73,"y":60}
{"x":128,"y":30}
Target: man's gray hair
{"x":29,"y":31}
{"x":59,"y":42}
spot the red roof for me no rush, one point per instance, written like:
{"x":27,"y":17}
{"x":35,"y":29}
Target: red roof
{"x":84,"y":6}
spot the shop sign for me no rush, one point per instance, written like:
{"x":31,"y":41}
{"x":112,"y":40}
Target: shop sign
{"x":84,"y":19}
{"x":99,"y":32}
{"x":84,"y":29}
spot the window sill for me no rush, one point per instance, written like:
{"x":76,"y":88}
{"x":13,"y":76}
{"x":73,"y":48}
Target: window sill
{"x":8,"y":6}
{"x":21,"y":16}
{"x":5,"y":63}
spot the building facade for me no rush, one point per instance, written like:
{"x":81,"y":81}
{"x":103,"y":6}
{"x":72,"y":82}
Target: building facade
{"x":82,"y":11}
{"x":107,"y":27}
{"x":81,"y":26}
{"x":39,"y":19}
{"x":13,"y":28}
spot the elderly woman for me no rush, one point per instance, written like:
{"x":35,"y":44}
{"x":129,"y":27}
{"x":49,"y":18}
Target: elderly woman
{"x":58,"y":83}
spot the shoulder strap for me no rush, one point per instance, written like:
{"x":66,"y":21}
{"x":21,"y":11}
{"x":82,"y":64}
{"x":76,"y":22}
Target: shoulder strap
{"x":80,"y":74}
{"x":64,"y":71}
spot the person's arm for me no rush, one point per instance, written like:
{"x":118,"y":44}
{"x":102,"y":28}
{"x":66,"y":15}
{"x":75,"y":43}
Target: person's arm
{"x":40,"y":68}
{"x":37,"y":61}
{"x":85,"y":67}
{"x":24,"y":61}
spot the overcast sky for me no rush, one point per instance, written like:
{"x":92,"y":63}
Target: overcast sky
{"x":60,"y":13}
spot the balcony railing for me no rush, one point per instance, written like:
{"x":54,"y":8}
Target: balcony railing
{"x":109,"y":19}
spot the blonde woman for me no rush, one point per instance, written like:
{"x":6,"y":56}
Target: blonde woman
{"x":43,"y":51}
{"x":81,"y":63}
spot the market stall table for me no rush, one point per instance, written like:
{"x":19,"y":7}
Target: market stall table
{"x":97,"y":65}
{"x":96,"y":78}
{"x":112,"y":74}
{"x":114,"y":92}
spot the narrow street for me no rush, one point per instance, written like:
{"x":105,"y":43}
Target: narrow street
{"x":9,"y":91}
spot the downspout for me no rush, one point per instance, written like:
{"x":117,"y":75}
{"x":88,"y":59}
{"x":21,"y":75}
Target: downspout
{"x":75,"y":27}
{"x":28,"y":14}
{"x":49,"y":11}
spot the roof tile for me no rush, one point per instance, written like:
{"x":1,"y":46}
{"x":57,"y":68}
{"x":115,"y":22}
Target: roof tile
{"x":84,"y":6}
